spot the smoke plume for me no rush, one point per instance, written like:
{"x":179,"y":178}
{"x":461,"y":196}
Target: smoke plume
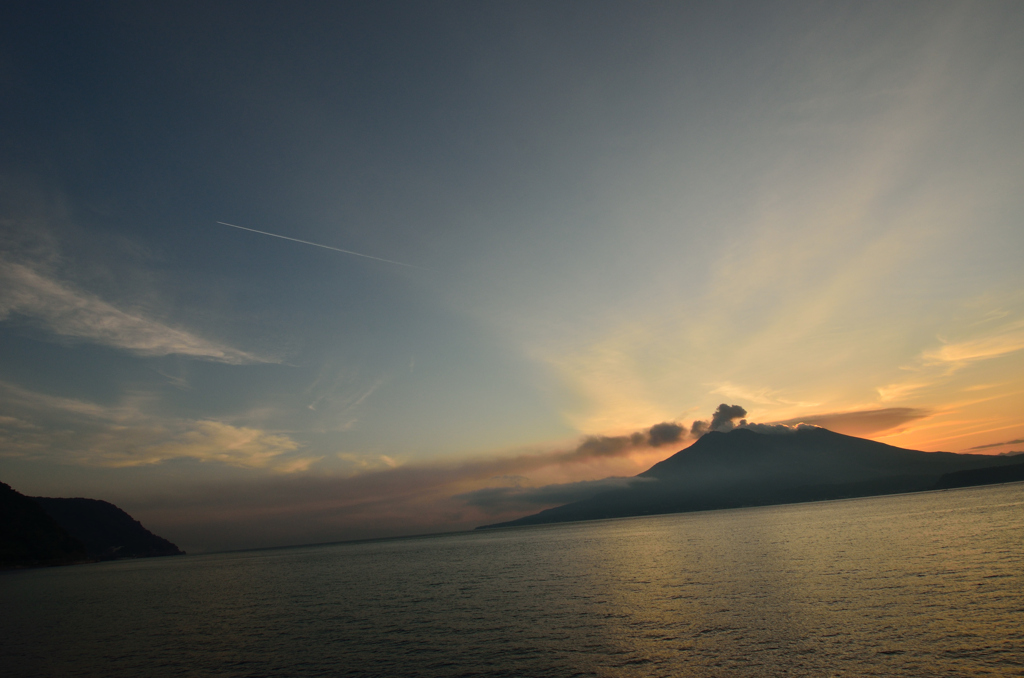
{"x":611,"y":446}
{"x":724,"y":419}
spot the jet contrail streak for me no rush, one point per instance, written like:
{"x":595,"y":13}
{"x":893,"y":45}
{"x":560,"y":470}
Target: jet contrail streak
{"x":316,"y":244}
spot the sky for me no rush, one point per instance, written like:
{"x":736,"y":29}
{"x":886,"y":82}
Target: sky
{"x":555,"y":225}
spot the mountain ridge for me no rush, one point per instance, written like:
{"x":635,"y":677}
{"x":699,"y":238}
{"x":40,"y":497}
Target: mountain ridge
{"x":744,"y":467}
{"x":31,"y":538}
{"x":107,"y":531}
{"x":44,"y":531}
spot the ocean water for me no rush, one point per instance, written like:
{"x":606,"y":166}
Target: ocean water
{"x":927,"y":584}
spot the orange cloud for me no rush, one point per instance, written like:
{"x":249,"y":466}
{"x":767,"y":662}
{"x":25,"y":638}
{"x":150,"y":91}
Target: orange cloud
{"x":863,"y":422}
{"x":392,"y":500}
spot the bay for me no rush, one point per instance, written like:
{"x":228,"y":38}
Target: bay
{"x":918,"y":584}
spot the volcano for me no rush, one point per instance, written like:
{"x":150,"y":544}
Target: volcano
{"x":744,"y":467}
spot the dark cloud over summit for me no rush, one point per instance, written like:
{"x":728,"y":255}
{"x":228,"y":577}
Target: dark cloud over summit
{"x":662,"y":434}
{"x":611,"y":446}
{"x":724,"y":419}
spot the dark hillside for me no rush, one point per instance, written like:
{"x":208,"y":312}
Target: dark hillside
{"x":107,"y":531}
{"x":29,"y":537}
{"x":990,"y":475}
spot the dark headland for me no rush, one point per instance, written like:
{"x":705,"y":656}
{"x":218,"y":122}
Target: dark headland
{"x":743,"y":467}
{"x":39,"y":531}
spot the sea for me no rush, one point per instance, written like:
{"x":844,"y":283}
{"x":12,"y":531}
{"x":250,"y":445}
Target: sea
{"x":926,"y":584}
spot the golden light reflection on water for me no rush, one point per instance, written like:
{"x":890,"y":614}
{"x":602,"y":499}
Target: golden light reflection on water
{"x":829,"y":585}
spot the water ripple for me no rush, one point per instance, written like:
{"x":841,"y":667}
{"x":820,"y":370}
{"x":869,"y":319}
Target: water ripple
{"x":911,"y":585}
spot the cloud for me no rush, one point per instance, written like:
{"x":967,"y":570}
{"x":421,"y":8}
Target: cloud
{"x":14,"y":422}
{"x":936,"y":365}
{"x":857,"y":423}
{"x":604,"y":446}
{"x":65,"y":311}
{"x":725,"y":415}
{"x":776,"y":429}
{"x":594,"y":448}
{"x":41,"y":426}
{"x":862,"y":422}
{"x":116,"y":446}
{"x":215,"y":441}
{"x":37,"y":405}
{"x":665,"y":433}
{"x":723,"y":419}
{"x":1008,"y":339}
{"x":611,"y":446}
{"x":308,"y":508}
{"x":496,"y":500}
{"x":761,"y":396}
{"x":67,"y":430}
{"x":381,"y":499}
{"x":1018,"y":441}
{"x":410,"y":498}
{"x":900,"y":390}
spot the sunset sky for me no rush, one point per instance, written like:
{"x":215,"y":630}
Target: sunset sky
{"x":585,"y":218}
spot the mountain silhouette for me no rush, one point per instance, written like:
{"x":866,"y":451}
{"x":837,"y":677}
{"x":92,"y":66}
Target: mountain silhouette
{"x":29,"y":537}
{"x":36,"y":531}
{"x":744,"y":467}
{"x":107,"y":531}
{"x":990,"y":475}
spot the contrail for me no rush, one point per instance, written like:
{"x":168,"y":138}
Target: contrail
{"x":316,"y":244}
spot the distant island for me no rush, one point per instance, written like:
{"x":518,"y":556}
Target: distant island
{"x":40,"y":531}
{"x":744,"y":467}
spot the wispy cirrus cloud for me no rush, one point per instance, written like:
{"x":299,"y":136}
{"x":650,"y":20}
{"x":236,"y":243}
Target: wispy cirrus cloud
{"x":901,"y":390}
{"x":1018,"y":441}
{"x":761,"y":396}
{"x":862,"y":422}
{"x":67,"y":430}
{"x":1006,"y":340}
{"x":66,"y":311}
{"x":935,"y":365}
{"x":216,"y":441}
